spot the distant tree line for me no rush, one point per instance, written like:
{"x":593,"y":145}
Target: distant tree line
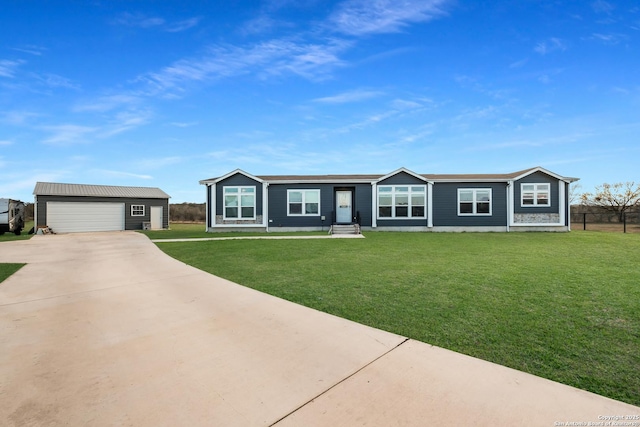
{"x":187,"y":212}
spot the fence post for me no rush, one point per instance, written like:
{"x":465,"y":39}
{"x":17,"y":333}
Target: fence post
{"x":584,"y":221}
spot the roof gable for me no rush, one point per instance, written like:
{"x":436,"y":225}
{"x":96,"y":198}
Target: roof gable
{"x":401,"y":170}
{"x":528,"y":172}
{"x":235,"y":172}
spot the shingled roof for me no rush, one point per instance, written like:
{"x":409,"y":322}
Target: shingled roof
{"x":374,"y":177}
{"x":84,"y":190}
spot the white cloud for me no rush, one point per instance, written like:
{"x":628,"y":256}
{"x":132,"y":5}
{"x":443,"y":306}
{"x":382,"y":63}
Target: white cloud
{"x":30,"y":49}
{"x":68,"y":134}
{"x":8,"y":68}
{"x":124,"y":121}
{"x":553,"y":44}
{"x":107,"y":103}
{"x":122,"y":174}
{"x":5,"y":142}
{"x":176,"y":27}
{"x":270,"y":58}
{"x":184,"y":124}
{"x":138,"y":20}
{"x":347,"y":97}
{"x":360,"y":17}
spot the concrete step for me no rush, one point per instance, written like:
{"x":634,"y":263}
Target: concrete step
{"x":345,"y":229}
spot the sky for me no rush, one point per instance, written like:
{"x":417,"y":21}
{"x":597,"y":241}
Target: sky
{"x":168,"y":93}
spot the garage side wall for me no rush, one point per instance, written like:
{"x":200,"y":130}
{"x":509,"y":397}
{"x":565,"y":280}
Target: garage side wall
{"x":130,"y":222}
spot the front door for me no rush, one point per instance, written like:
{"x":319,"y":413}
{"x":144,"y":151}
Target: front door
{"x":343,"y":206}
{"x":156,"y":217}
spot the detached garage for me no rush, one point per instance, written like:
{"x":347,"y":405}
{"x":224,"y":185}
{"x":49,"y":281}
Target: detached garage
{"x":73,"y":208}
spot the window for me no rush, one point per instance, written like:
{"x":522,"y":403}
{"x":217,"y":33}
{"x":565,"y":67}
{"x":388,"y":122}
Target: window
{"x":137,"y":210}
{"x":474,"y":201}
{"x":535,"y":194}
{"x":401,"y":201}
{"x":303,"y":202}
{"x":239,"y":202}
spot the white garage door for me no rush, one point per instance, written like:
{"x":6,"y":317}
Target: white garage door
{"x":74,"y":217}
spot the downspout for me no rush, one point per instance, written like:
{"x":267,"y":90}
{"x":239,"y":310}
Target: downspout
{"x":509,"y":205}
{"x":35,"y":214}
{"x":374,"y":203}
{"x":265,"y":205}
{"x":207,"y":207}
{"x":430,"y":204}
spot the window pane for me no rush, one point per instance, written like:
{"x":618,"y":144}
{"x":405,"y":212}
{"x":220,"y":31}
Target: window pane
{"x":466,"y":196}
{"x":231,"y":201}
{"x":402,"y":211}
{"x":295,"y":208}
{"x":543,"y":199}
{"x":527,"y":199}
{"x":231,"y":212}
{"x":311,"y":208}
{"x":482,"y":196}
{"x":248,"y":190}
{"x":384,"y":211}
{"x":417,"y":189}
{"x":528,"y":187}
{"x":543,"y":187}
{"x":417,"y":199}
{"x":483,"y":208}
{"x":247,"y":201}
{"x":385,"y":200}
{"x":466,"y":208}
{"x":402,"y":189}
{"x":384,"y":189}
{"x":295,"y":196}
{"x":247,"y":212}
{"x":402,"y":200}
{"x":312,"y":196}
{"x":417,"y":211}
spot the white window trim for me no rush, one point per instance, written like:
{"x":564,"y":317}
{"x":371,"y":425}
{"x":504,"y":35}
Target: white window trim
{"x":303,"y":191}
{"x":239,"y":194}
{"x":475,"y":201}
{"x":535,"y":195}
{"x":134,"y":206}
{"x":393,"y":201}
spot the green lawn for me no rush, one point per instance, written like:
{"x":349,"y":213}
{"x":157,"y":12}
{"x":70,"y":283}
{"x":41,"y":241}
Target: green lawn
{"x":7,"y":236}
{"x":193,"y":231}
{"x":7,"y":270}
{"x":563,"y":306}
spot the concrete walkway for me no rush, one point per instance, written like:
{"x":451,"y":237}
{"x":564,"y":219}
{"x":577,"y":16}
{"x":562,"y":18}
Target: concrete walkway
{"x":103,"y":329}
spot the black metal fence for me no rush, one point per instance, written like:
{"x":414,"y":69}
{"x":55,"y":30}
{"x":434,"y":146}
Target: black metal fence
{"x":627,"y":222}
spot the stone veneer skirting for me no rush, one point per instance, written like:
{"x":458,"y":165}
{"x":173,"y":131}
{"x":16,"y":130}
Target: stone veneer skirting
{"x":536,"y":218}
{"x":220,"y":220}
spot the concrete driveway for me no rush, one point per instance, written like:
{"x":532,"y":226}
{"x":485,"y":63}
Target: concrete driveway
{"x":103,"y":329}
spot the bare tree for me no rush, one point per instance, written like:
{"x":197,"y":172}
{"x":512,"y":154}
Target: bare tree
{"x":574,"y":194}
{"x":619,"y":197}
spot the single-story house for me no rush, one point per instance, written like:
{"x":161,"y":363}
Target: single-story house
{"x":68,"y":208}
{"x":527,"y":200}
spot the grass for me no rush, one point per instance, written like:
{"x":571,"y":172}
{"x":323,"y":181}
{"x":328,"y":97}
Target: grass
{"x":8,"y":236}
{"x":562,"y":306}
{"x":7,"y":270}
{"x":197,"y":230}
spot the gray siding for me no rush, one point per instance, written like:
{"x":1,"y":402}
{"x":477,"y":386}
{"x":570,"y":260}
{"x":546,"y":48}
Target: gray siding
{"x":539,"y":178}
{"x":278,"y":204}
{"x":445,"y":205}
{"x":238,"y":180}
{"x":130,"y":222}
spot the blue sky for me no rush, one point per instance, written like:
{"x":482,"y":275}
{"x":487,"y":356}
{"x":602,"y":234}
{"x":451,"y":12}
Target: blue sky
{"x":166,"y":93}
